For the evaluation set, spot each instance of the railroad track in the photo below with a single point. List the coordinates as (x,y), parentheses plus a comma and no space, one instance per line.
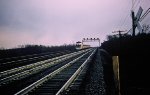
(58,81)
(24,71)
(29,56)
(28,74)
(9,63)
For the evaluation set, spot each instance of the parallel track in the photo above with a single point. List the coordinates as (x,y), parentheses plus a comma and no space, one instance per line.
(28,74)
(24,71)
(59,80)
(9,63)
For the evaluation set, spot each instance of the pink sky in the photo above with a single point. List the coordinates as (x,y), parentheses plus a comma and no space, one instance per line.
(58,22)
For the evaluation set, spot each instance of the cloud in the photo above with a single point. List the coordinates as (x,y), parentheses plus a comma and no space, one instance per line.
(14,38)
(55,22)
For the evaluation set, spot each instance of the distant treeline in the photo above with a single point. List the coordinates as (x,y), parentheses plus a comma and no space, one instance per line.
(33,49)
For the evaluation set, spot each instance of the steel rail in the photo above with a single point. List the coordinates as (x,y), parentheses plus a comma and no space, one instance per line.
(31,55)
(72,78)
(23,60)
(25,56)
(47,77)
(14,70)
(27,59)
(31,71)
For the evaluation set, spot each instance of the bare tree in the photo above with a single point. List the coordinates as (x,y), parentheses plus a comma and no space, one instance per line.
(146,28)
(109,37)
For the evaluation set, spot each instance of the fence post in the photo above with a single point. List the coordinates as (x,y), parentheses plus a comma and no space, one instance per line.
(116,72)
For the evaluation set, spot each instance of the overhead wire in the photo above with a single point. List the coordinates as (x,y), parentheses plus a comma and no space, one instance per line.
(145,14)
(124,20)
(133,4)
(136,4)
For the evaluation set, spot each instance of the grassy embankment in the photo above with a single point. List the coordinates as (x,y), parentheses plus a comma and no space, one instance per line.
(134,61)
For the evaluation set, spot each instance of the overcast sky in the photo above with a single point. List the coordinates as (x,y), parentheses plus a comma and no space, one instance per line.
(58,22)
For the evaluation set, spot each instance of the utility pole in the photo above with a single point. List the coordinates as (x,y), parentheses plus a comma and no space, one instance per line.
(135,20)
(120,36)
(133,23)
(118,59)
(119,32)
